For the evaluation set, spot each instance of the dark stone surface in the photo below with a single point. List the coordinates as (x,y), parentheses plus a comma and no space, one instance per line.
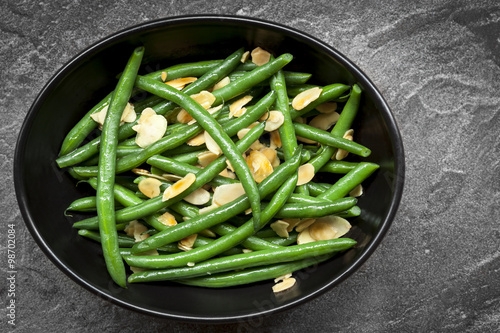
(436,63)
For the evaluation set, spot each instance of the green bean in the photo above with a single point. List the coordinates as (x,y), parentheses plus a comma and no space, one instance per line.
(329,139)
(329,93)
(244,260)
(348,182)
(250,79)
(306,199)
(106,175)
(213,128)
(283,241)
(252,275)
(294,90)
(343,124)
(151,206)
(341,167)
(85,204)
(251,242)
(303,210)
(210,76)
(223,243)
(316,189)
(354,211)
(291,78)
(305,157)
(222,213)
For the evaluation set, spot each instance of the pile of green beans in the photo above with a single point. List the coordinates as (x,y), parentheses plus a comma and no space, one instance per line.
(214,244)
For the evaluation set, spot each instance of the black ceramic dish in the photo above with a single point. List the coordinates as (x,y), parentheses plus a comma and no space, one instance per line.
(44,191)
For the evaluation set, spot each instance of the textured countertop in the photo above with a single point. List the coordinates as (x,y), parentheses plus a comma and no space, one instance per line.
(438,65)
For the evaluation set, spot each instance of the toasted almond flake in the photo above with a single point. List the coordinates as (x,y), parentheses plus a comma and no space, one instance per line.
(150,187)
(179,186)
(208,233)
(322,231)
(327,107)
(128,115)
(226,193)
(308,141)
(228,174)
(264,116)
(222,83)
(212,145)
(171,177)
(247,251)
(238,104)
(137,230)
(204,98)
(244,56)
(167,219)
(150,128)
(274,121)
(306,97)
(272,156)
(303,224)
(197,140)
(341,153)
(356,191)
(210,110)
(324,121)
(184,117)
(281,278)
(280,227)
(143,172)
(284,285)
(304,237)
(180,83)
(189,240)
(291,223)
(206,157)
(164,76)
(259,165)
(275,140)
(198,197)
(305,173)
(190,264)
(260,56)
(207,209)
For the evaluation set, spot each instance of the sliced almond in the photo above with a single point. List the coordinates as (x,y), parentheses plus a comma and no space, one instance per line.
(197,140)
(280,227)
(259,165)
(180,83)
(274,121)
(305,173)
(327,107)
(198,197)
(247,251)
(164,76)
(324,228)
(187,243)
(260,56)
(303,224)
(341,153)
(222,83)
(137,230)
(281,278)
(150,187)
(128,115)
(322,231)
(226,193)
(184,117)
(171,177)
(272,156)
(143,172)
(206,157)
(227,173)
(324,121)
(150,128)
(210,110)
(208,233)
(238,105)
(304,237)
(179,186)
(284,285)
(306,97)
(291,223)
(212,145)
(167,219)
(207,209)
(275,139)
(356,191)
(244,56)
(204,98)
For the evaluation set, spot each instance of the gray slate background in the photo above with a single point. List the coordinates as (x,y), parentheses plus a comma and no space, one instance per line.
(438,65)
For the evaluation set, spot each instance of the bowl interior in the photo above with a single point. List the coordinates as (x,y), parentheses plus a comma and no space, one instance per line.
(44,191)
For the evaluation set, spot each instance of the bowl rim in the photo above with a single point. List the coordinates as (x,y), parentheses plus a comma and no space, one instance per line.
(378,99)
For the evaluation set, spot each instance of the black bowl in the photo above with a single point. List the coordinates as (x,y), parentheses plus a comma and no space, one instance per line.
(44,191)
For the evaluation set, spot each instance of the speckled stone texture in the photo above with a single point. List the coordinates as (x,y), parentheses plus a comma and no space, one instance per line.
(436,63)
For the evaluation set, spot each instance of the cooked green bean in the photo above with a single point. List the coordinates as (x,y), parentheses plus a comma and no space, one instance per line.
(330,92)
(240,261)
(302,210)
(105,201)
(85,204)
